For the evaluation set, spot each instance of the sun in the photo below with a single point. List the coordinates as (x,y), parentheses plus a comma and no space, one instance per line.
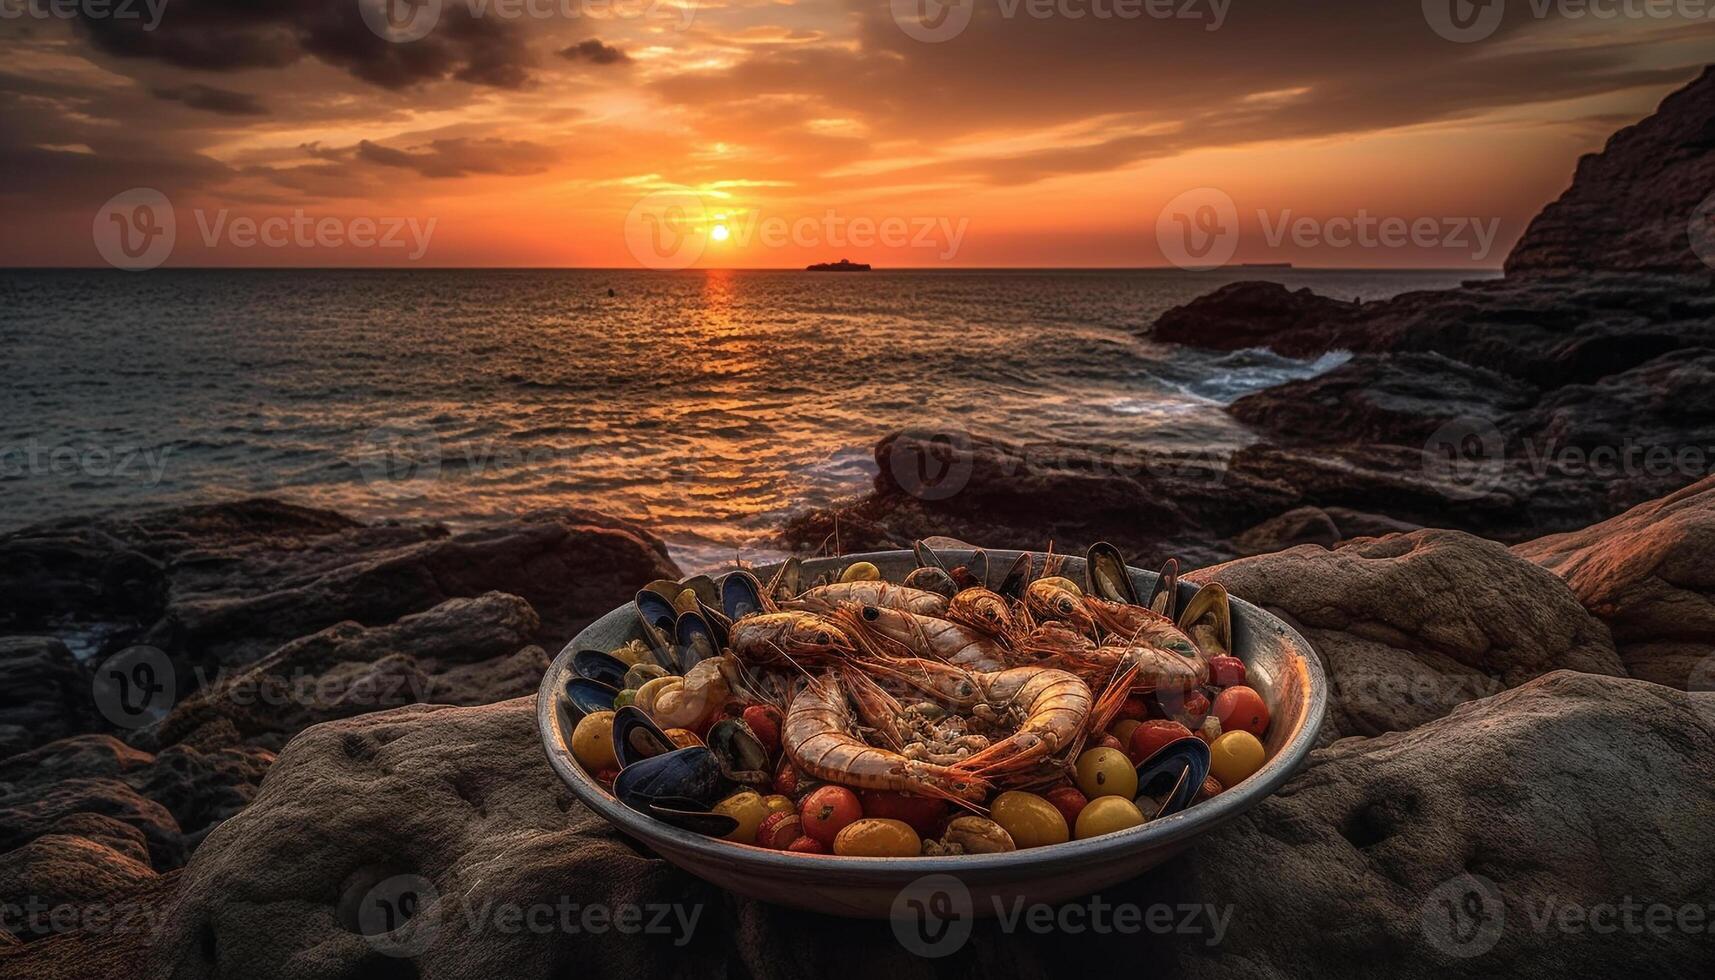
(718,233)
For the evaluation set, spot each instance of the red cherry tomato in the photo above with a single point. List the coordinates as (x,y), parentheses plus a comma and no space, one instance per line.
(1069,801)
(786,779)
(923,813)
(1151,736)
(1107,741)
(1196,707)
(764,722)
(827,811)
(1210,787)
(779,830)
(808,845)
(1226,671)
(1242,709)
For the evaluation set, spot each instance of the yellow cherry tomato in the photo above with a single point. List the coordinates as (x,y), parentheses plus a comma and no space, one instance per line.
(1107,815)
(592,742)
(1031,820)
(777,803)
(1123,730)
(878,837)
(861,571)
(1107,772)
(1234,756)
(749,810)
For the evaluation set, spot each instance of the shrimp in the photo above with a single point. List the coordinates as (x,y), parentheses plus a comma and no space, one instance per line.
(892,633)
(987,612)
(827,598)
(1048,602)
(817,738)
(784,638)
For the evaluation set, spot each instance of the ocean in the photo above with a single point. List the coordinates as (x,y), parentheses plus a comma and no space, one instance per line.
(706,405)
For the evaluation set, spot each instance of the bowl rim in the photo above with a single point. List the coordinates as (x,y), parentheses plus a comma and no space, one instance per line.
(1160,833)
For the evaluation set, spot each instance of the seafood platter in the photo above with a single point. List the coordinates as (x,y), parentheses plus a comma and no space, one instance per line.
(823,733)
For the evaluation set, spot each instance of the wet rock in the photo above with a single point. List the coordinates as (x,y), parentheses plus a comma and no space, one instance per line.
(1535,790)
(1647,575)
(44,692)
(1409,626)
(47,880)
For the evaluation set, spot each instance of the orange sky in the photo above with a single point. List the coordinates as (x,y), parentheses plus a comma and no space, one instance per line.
(641,133)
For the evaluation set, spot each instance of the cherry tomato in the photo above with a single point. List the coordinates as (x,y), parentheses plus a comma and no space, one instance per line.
(1122,731)
(1151,736)
(878,837)
(748,809)
(764,722)
(829,810)
(592,742)
(1135,708)
(1107,741)
(779,803)
(1242,709)
(1106,772)
(923,813)
(807,845)
(1226,671)
(786,779)
(1031,820)
(1069,801)
(1107,815)
(778,830)
(1210,787)
(1234,756)
(1196,708)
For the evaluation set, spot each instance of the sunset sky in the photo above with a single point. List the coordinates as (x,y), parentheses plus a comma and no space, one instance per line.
(568,132)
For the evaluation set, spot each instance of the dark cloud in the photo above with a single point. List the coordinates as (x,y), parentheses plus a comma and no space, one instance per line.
(223,101)
(229,35)
(594,52)
(458,157)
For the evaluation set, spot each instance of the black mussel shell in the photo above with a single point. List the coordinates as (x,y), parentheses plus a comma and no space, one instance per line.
(926,557)
(694,641)
(636,736)
(1164,598)
(976,570)
(683,779)
(1178,770)
(1017,577)
(787,581)
(585,696)
(704,822)
(931,579)
(742,756)
(658,617)
(741,595)
(708,593)
(599,666)
(1105,575)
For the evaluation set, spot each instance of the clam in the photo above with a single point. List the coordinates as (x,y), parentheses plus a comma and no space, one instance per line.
(1164,598)
(1106,575)
(678,788)
(602,667)
(742,757)
(636,737)
(1173,774)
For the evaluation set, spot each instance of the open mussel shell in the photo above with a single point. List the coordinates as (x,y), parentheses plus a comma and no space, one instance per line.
(1105,575)
(787,582)
(741,595)
(1017,577)
(1164,598)
(932,579)
(1177,770)
(694,641)
(659,619)
(599,666)
(677,787)
(636,736)
(585,696)
(742,756)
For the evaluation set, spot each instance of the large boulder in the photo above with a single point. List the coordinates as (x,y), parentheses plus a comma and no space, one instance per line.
(57,872)
(1462,848)
(1648,576)
(1410,626)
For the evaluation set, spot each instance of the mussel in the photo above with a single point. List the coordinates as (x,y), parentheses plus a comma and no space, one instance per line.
(1164,598)
(741,596)
(636,737)
(694,641)
(742,757)
(659,618)
(1208,620)
(585,696)
(1106,575)
(602,667)
(1021,573)
(678,788)
(1174,774)
(787,581)
(931,575)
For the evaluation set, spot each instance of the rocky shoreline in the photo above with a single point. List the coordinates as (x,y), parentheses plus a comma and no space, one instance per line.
(1521,653)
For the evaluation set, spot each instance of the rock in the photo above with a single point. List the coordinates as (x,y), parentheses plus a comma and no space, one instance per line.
(232,581)
(44,693)
(1629,206)
(348,669)
(1294,322)
(1647,575)
(1409,626)
(112,834)
(1538,790)
(56,875)
(1400,399)
(201,789)
(30,813)
(120,933)
(1315,525)
(78,757)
